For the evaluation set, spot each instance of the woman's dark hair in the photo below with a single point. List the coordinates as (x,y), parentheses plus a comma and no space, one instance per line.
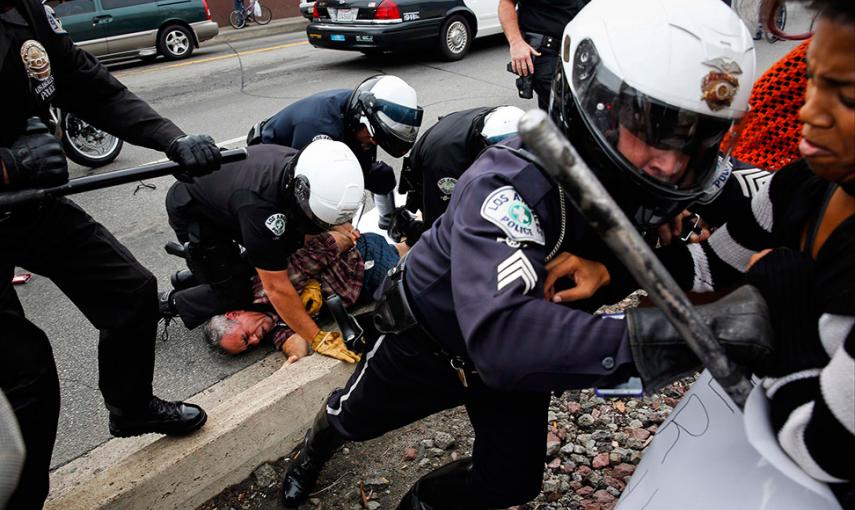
(842,11)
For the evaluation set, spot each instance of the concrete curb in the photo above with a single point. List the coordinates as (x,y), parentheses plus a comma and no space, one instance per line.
(263,422)
(280,26)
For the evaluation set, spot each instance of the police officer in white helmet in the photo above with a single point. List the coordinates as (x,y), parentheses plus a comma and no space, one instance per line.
(266,204)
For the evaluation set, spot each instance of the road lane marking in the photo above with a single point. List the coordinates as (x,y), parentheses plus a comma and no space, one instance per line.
(213,59)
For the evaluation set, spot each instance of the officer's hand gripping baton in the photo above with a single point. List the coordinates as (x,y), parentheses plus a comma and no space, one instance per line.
(11,199)
(561,160)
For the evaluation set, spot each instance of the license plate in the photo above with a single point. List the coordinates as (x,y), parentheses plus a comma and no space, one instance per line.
(343,15)
(337,37)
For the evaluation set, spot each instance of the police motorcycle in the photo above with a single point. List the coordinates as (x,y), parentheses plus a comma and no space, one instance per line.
(83,143)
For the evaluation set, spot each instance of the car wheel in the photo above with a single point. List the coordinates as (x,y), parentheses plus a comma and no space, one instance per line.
(176,42)
(455,38)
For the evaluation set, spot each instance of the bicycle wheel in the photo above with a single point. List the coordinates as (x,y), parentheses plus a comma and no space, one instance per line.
(266,16)
(237,20)
(780,23)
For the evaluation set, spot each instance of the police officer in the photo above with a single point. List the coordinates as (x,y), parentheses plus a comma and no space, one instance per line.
(465,317)
(441,155)
(382,110)
(41,66)
(533,29)
(266,203)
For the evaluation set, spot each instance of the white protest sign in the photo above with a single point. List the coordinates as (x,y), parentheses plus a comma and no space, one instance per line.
(701,459)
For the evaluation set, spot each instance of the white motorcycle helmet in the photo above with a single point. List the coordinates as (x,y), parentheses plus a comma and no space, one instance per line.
(388,107)
(646,90)
(328,186)
(501,123)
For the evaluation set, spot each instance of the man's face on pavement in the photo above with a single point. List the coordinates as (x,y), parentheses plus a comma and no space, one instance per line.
(662,164)
(248,330)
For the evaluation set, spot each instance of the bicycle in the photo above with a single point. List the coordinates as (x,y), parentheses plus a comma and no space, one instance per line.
(239,18)
(749,11)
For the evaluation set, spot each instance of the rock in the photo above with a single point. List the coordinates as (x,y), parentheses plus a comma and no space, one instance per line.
(586,420)
(427,443)
(410,454)
(615,457)
(555,463)
(265,475)
(641,434)
(600,461)
(601,435)
(551,485)
(636,424)
(345,451)
(613,491)
(567,449)
(436,452)
(315,501)
(580,459)
(584,471)
(425,462)
(444,440)
(454,456)
(597,480)
(553,444)
(373,505)
(591,505)
(619,406)
(624,469)
(583,438)
(614,482)
(603,496)
(585,491)
(574,407)
(376,484)
(568,468)
(574,485)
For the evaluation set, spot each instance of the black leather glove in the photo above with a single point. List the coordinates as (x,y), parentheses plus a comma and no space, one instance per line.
(198,155)
(404,225)
(380,178)
(785,278)
(35,159)
(740,322)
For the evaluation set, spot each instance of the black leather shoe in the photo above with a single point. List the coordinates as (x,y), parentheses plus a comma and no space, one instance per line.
(445,488)
(159,416)
(166,304)
(321,441)
(183,279)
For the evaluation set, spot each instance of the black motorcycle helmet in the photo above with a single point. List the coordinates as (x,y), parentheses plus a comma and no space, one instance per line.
(387,106)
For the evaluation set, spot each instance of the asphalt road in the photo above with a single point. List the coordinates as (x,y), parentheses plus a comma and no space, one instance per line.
(222,91)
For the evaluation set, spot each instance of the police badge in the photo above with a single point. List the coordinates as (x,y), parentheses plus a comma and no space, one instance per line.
(37,64)
(276,224)
(718,88)
(446,186)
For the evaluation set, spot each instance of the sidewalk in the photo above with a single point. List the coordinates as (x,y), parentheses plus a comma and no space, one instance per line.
(253,30)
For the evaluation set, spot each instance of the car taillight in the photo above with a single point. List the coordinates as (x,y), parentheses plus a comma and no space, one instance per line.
(315,13)
(207,9)
(387,9)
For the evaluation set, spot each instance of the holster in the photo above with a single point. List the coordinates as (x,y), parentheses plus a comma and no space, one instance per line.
(393,314)
(254,135)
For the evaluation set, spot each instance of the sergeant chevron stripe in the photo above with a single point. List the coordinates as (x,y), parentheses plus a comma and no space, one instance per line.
(517,266)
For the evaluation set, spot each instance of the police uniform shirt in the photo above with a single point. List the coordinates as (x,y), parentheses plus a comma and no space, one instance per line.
(319,116)
(247,200)
(547,17)
(443,153)
(475,280)
(40,66)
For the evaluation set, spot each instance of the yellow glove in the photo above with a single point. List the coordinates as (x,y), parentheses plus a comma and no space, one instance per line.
(330,344)
(311,297)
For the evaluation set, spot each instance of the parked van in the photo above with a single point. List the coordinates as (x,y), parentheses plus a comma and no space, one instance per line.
(122,29)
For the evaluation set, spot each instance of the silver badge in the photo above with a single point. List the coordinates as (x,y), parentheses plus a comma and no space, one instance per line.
(276,224)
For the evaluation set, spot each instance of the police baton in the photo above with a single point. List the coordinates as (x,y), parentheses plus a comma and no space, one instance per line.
(563,163)
(11,199)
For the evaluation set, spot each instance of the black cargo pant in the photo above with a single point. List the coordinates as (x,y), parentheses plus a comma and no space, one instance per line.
(117,295)
(401,380)
(213,257)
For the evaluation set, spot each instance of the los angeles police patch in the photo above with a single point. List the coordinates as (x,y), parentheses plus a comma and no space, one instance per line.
(446,186)
(53,21)
(506,209)
(276,224)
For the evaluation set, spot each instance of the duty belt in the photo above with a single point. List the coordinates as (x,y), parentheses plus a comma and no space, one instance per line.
(541,41)
(394,315)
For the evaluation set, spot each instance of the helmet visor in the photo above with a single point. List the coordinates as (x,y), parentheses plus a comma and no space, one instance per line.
(673,148)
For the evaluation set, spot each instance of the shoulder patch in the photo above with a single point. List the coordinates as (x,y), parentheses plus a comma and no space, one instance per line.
(751,180)
(506,209)
(55,23)
(321,137)
(446,186)
(276,223)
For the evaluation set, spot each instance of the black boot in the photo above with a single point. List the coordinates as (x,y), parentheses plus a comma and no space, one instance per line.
(318,446)
(446,488)
(159,416)
(166,304)
(183,279)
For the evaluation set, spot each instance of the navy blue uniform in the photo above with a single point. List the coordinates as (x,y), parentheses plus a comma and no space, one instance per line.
(322,115)
(475,281)
(440,156)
